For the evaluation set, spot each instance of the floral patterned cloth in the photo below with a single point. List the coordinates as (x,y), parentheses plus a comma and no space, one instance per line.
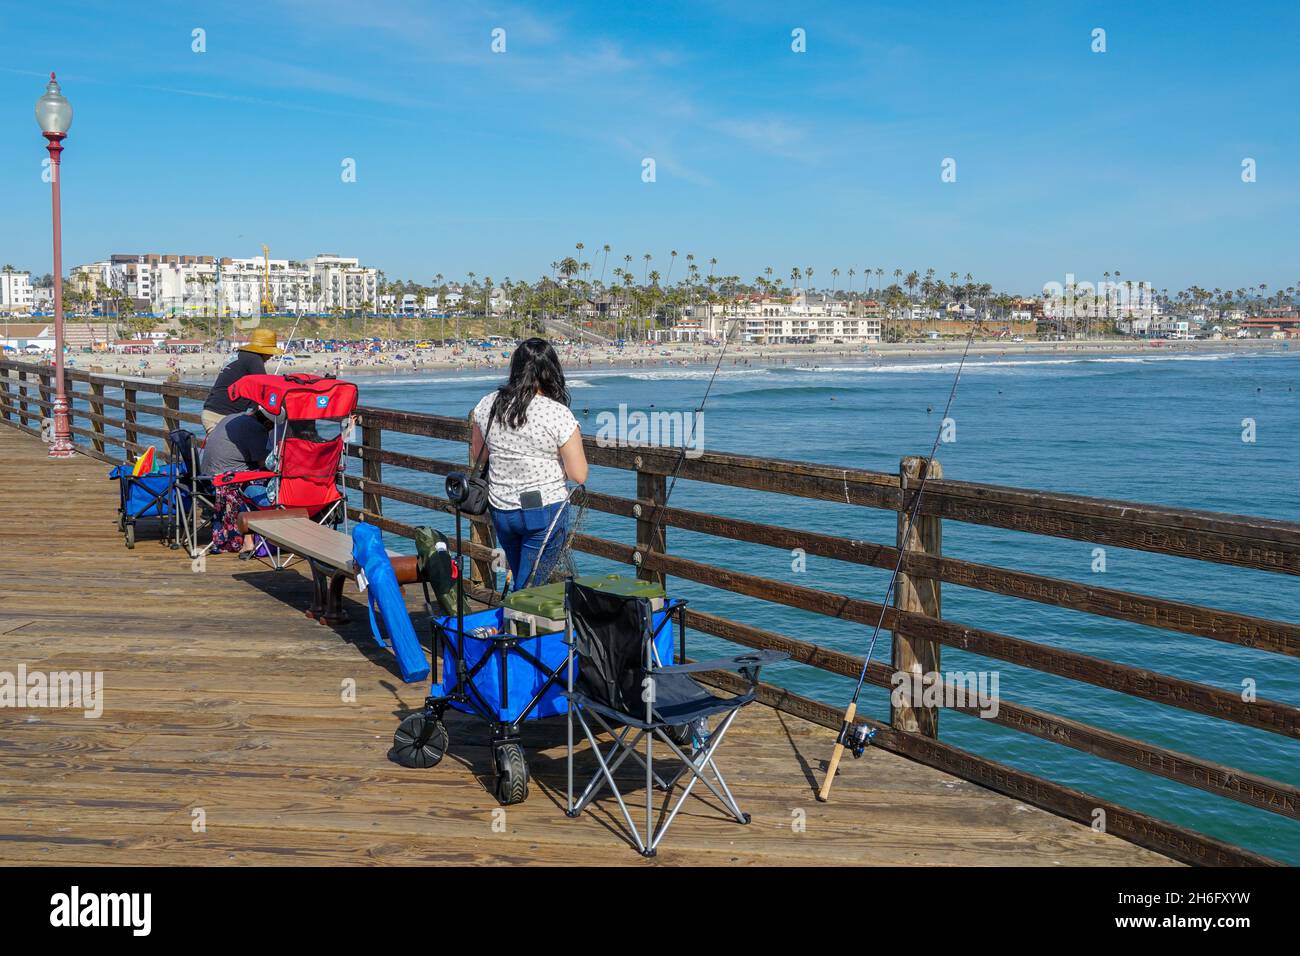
(225,519)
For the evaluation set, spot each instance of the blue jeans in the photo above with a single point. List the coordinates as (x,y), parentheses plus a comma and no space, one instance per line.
(520,534)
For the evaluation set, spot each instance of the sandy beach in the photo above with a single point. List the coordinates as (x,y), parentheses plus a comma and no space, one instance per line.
(197,366)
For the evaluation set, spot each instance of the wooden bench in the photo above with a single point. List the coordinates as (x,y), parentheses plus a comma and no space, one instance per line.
(327,552)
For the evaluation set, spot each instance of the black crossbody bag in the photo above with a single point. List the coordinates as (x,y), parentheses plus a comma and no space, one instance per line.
(468,493)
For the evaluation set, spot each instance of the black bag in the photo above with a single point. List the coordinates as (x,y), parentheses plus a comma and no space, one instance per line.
(468,493)
(437,573)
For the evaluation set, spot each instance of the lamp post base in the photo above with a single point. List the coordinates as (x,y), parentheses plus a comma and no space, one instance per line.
(61,446)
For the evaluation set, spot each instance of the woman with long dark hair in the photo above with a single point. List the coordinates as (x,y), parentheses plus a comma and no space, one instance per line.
(533,445)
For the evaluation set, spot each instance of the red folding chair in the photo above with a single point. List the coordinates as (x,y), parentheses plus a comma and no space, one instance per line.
(308,465)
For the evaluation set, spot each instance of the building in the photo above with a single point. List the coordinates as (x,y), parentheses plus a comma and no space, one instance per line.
(24,336)
(800,320)
(337,282)
(809,320)
(1268,322)
(15,293)
(175,285)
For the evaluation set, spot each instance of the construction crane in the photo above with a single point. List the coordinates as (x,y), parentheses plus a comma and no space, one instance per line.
(268,307)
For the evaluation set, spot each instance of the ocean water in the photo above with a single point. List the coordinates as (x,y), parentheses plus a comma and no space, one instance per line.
(1164,429)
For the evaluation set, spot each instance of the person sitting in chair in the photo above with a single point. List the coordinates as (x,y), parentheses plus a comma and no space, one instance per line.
(239,442)
(250,359)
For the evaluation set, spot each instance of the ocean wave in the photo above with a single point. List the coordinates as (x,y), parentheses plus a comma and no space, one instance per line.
(793,390)
(1148,359)
(914,367)
(433,378)
(682,374)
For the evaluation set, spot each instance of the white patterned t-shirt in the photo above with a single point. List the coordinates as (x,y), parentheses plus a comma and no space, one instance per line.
(526,458)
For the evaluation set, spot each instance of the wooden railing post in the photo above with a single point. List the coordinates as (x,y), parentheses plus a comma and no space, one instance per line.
(129,416)
(912,655)
(6,395)
(651,487)
(372,469)
(45,391)
(24,410)
(481,533)
(172,404)
(97,424)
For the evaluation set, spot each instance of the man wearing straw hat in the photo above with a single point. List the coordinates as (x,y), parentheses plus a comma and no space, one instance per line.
(249,360)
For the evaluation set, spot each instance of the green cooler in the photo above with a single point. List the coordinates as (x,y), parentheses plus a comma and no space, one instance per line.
(540,610)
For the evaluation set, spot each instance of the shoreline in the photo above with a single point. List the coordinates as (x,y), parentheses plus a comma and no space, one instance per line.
(203,366)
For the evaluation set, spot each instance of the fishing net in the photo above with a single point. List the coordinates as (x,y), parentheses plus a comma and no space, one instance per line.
(563,564)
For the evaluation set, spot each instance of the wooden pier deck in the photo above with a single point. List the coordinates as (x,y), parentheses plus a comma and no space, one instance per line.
(221,697)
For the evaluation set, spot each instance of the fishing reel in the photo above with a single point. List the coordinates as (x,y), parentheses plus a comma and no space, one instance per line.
(856,738)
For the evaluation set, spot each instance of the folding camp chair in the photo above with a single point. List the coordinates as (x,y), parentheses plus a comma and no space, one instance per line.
(195,498)
(616,681)
(310,463)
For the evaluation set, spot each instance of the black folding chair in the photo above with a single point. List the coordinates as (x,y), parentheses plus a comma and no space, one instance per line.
(616,682)
(195,497)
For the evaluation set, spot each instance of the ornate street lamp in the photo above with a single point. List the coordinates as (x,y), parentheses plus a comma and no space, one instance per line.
(54,114)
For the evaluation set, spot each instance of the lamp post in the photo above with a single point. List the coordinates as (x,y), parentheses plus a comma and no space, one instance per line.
(54,114)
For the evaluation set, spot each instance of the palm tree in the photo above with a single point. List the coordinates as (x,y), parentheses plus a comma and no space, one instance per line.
(652,291)
(913,279)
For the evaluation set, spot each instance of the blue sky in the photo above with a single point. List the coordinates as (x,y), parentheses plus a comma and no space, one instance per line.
(1068,161)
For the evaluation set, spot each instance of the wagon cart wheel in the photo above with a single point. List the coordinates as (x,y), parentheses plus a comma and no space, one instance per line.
(512,774)
(121,522)
(420,741)
(130,535)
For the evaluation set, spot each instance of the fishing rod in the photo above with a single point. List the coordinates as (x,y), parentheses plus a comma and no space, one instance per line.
(853,737)
(546,540)
(672,483)
(287,342)
(662,508)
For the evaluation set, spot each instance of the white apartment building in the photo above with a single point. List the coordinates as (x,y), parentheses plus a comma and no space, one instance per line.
(197,285)
(341,282)
(15,293)
(819,321)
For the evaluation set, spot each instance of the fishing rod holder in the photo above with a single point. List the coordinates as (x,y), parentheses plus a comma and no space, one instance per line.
(856,738)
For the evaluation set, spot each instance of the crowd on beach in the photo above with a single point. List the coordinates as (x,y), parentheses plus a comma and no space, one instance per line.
(391,356)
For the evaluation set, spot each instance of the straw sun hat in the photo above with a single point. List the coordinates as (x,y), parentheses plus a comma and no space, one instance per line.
(262,341)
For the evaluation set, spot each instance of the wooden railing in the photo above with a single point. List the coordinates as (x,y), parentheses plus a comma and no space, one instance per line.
(917,630)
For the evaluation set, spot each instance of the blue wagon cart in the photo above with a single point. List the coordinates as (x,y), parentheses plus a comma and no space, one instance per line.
(156,496)
(497,667)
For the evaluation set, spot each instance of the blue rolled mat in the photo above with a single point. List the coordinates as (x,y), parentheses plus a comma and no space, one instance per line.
(385,595)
